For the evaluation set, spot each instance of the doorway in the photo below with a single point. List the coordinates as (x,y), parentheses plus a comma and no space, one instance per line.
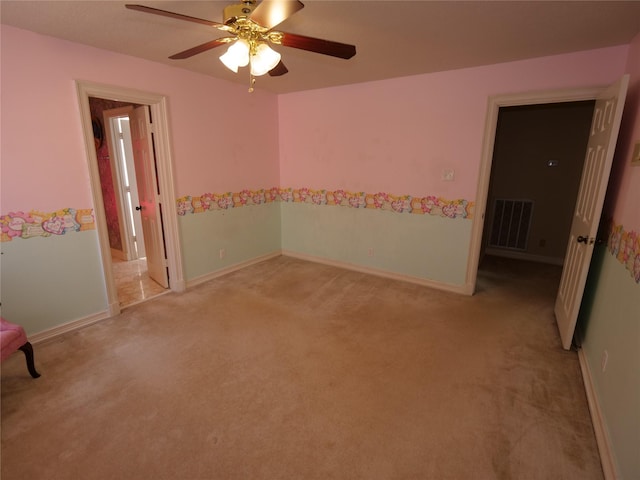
(163,199)
(603,133)
(119,186)
(535,176)
(484,177)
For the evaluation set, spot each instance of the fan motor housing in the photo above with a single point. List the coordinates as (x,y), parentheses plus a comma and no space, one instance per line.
(238,10)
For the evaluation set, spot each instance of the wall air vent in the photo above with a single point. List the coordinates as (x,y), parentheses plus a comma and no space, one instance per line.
(511,222)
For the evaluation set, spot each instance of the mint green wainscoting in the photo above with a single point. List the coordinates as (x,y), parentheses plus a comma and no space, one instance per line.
(243,234)
(611,320)
(49,281)
(424,247)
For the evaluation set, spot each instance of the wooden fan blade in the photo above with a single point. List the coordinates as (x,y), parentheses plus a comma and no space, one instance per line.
(201,48)
(317,45)
(270,13)
(278,70)
(179,16)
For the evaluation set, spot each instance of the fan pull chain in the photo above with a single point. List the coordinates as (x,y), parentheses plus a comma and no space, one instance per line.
(252,82)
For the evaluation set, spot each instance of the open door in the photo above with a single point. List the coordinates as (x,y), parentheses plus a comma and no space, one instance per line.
(118,134)
(148,194)
(593,187)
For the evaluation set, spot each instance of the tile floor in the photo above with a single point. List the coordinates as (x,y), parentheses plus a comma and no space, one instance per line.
(133,282)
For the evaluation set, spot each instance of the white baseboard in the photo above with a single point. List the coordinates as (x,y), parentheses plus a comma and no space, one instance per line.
(179,286)
(497,252)
(461,289)
(83,322)
(232,268)
(68,327)
(600,429)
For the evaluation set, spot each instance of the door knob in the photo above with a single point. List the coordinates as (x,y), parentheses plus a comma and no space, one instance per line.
(584,240)
(139,207)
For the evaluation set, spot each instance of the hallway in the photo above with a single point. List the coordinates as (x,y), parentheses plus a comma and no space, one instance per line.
(133,282)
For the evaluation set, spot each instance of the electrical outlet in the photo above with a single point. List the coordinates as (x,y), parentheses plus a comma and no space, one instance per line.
(605,359)
(370,252)
(222,253)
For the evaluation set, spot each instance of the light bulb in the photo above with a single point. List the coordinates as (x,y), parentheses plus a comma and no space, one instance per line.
(237,55)
(264,60)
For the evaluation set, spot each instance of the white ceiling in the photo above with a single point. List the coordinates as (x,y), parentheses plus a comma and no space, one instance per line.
(393,38)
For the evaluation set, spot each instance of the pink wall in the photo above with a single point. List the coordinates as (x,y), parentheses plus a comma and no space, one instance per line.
(625,191)
(44,164)
(393,136)
(398,135)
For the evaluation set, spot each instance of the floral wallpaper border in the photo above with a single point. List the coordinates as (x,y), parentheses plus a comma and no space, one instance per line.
(625,247)
(39,224)
(430,205)
(622,244)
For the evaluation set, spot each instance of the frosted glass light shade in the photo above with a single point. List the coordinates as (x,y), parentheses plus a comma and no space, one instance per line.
(237,55)
(264,60)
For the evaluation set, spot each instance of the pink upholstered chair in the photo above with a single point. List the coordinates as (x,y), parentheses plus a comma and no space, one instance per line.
(12,338)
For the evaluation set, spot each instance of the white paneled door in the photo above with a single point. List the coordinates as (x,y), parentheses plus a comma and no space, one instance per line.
(593,186)
(148,194)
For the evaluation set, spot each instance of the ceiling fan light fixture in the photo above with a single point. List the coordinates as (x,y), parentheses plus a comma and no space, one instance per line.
(237,55)
(264,60)
(250,28)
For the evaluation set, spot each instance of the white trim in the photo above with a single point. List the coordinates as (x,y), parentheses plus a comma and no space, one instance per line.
(334,263)
(497,252)
(159,112)
(379,273)
(68,327)
(599,427)
(98,201)
(484,176)
(231,268)
(137,302)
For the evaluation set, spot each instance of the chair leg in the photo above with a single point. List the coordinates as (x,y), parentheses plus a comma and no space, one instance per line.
(28,353)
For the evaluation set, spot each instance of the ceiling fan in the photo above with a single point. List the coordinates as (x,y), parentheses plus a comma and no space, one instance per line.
(250,27)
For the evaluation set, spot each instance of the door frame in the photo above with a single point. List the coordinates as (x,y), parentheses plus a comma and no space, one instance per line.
(159,111)
(495,102)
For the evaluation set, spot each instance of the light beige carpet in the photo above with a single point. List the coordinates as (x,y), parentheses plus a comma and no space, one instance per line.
(295,370)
